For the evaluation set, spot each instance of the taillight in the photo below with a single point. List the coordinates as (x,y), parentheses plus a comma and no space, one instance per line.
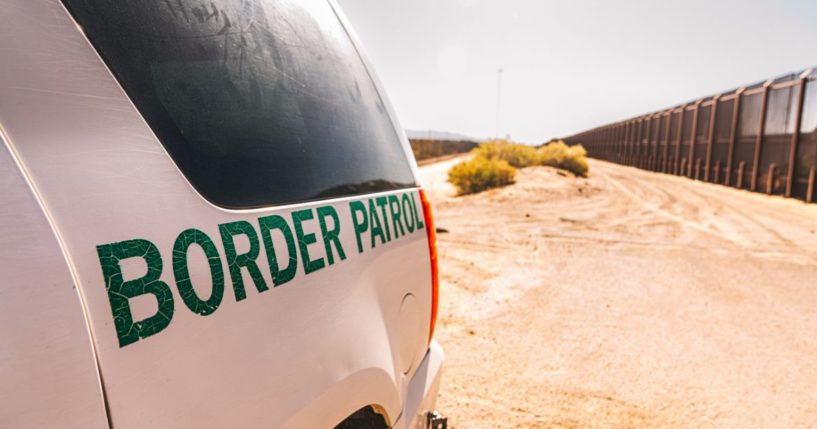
(432,251)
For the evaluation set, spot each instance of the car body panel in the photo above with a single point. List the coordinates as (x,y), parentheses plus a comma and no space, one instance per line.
(421,396)
(47,367)
(105,179)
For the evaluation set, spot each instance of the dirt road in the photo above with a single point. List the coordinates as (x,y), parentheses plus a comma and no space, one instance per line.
(625,300)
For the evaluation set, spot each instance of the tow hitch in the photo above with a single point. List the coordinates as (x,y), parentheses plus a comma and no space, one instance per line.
(435,420)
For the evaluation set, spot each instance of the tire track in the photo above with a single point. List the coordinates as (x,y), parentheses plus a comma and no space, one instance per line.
(628,299)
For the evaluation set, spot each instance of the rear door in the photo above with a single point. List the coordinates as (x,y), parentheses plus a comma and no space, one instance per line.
(238,209)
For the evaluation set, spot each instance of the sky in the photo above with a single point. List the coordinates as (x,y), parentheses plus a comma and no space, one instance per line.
(571,65)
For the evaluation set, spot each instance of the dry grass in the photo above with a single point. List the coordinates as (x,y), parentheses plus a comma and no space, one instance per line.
(495,162)
(560,155)
(480,173)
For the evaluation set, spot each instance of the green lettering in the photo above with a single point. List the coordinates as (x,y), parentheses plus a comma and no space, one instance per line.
(407,210)
(381,202)
(394,205)
(182,273)
(417,217)
(374,220)
(247,260)
(304,240)
(266,225)
(330,235)
(121,290)
(361,224)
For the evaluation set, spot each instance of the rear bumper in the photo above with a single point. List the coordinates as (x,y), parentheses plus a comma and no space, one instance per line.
(421,396)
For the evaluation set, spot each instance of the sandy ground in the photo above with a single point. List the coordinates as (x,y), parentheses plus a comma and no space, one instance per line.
(625,300)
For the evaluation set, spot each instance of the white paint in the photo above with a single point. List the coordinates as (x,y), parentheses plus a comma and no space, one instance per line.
(47,368)
(305,354)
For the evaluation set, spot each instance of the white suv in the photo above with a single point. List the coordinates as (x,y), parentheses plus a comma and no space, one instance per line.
(209,218)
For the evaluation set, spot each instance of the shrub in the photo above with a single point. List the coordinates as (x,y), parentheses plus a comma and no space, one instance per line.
(481,173)
(425,149)
(494,161)
(560,155)
(517,155)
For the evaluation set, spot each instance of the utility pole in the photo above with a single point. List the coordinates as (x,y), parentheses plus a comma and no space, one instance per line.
(498,101)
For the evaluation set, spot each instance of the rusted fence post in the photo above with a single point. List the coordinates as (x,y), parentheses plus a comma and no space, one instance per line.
(770,178)
(811,177)
(697,169)
(693,136)
(717,172)
(645,156)
(730,154)
(739,181)
(630,130)
(680,141)
(713,116)
(633,138)
(667,140)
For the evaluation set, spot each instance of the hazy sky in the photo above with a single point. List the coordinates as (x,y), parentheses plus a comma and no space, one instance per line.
(571,65)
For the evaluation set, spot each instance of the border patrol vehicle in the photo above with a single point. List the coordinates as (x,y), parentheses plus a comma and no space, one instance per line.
(210,219)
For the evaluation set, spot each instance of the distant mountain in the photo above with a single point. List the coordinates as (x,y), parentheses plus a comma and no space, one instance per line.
(438,135)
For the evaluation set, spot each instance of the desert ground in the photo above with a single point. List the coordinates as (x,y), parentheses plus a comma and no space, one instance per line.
(627,299)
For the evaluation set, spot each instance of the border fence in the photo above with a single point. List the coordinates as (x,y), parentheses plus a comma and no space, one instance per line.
(760,137)
(425,149)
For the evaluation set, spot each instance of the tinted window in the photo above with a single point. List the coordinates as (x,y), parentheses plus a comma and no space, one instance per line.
(258,102)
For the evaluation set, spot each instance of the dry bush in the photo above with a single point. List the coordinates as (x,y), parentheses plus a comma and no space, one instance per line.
(481,173)
(426,149)
(517,155)
(494,163)
(560,155)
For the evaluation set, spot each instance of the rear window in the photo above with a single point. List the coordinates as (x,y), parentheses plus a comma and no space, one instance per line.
(258,102)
